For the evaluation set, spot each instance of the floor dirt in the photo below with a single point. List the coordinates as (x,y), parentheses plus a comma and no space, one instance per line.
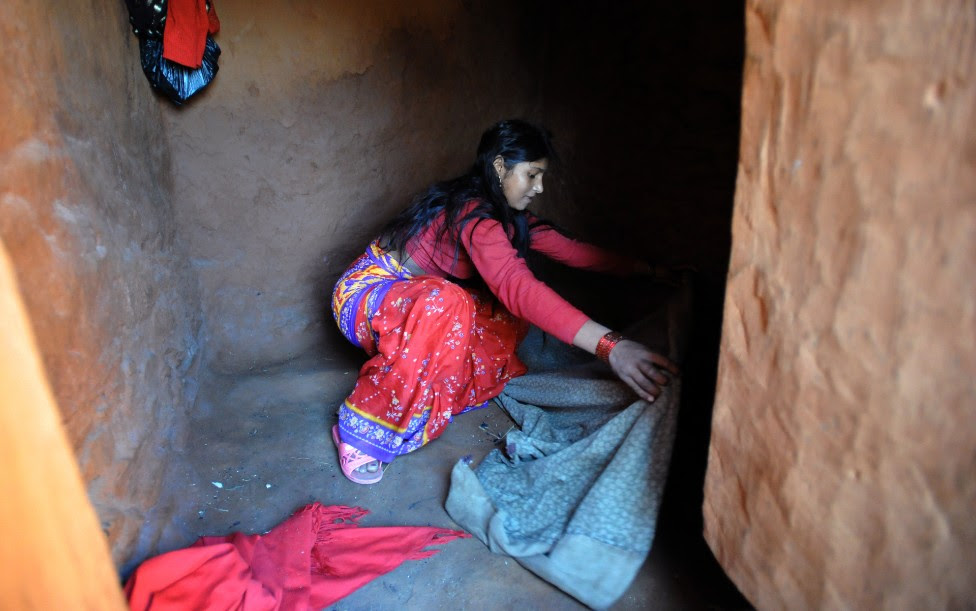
(261,449)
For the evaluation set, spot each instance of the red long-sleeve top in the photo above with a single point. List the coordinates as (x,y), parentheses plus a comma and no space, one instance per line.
(487,249)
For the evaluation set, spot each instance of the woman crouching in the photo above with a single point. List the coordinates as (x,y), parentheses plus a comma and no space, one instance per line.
(442,298)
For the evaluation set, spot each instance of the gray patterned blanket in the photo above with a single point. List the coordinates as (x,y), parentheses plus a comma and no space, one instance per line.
(575,495)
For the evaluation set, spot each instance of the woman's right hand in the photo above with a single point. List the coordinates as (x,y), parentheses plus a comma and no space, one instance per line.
(644,371)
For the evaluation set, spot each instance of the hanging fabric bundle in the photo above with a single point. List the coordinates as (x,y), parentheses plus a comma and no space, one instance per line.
(176,45)
(189,23)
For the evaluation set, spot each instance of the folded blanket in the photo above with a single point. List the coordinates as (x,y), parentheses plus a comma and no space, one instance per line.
(309,561)
(575,496)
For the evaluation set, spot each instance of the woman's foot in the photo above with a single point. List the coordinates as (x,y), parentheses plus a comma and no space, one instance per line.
(370,467)
(356,466)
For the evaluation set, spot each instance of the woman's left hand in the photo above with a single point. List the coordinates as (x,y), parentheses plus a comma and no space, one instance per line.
(644,371)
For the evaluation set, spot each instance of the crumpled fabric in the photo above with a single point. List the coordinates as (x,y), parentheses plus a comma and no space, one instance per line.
(316,557)
(176,82)
(188,23)
(176,47)
(575,495)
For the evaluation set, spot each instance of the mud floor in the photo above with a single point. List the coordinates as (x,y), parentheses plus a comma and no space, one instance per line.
(261,449)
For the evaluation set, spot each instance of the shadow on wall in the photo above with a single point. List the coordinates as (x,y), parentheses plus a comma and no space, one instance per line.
(329,266)
(645,102)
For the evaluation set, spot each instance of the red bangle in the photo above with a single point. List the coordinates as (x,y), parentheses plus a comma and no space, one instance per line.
(606,344)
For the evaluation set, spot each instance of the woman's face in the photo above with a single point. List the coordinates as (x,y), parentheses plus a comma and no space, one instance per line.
(521,182)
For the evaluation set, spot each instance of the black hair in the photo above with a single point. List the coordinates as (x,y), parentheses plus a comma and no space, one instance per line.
(515,141)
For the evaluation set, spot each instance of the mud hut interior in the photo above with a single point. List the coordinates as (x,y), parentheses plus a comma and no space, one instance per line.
(170,365)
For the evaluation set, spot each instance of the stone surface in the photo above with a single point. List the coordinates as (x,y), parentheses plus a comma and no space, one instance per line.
(86,216)
(844,433)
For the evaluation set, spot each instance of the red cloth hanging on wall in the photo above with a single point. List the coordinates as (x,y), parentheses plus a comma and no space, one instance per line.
(185,34)
(314,558)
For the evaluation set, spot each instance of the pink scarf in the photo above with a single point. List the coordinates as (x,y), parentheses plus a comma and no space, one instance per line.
(311,560)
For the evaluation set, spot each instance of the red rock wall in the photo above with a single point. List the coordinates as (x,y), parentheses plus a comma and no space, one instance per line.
(844,434)
(86,217)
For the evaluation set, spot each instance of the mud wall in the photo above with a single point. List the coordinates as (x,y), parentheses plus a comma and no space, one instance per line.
(324,119)
(54,554)
(87,221)
(844,437)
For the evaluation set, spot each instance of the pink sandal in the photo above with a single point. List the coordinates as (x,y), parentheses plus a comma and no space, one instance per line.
(351,459)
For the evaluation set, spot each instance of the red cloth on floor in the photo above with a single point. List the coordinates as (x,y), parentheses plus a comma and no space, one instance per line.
(186,29)
(311,560)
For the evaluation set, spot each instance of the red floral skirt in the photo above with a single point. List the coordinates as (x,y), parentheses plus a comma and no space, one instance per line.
(436,350)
